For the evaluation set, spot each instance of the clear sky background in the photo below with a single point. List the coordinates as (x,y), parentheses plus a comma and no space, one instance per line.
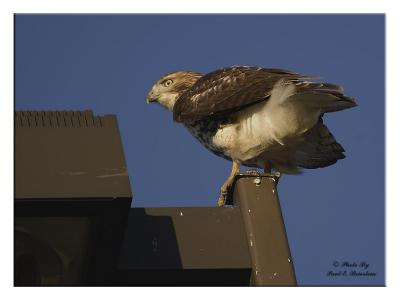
(108,63)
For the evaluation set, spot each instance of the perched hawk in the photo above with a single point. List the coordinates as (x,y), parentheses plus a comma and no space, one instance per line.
(258,117)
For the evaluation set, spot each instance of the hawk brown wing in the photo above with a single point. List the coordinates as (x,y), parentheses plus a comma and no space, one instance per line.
(228,90)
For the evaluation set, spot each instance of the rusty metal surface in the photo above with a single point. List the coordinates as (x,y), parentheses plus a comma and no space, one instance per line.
(68,154)
(265,230)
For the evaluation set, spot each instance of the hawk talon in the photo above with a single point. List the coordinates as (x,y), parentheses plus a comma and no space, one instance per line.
(228,183)
(253,172)
(222,199)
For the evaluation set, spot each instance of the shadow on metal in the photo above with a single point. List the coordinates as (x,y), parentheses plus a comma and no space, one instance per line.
(195,246)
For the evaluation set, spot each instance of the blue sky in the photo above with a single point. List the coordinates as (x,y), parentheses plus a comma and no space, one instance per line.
(108,63)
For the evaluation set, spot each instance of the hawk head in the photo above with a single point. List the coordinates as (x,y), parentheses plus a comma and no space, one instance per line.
(171,86)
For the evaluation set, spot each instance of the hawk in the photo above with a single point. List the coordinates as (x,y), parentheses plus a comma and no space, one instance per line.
(257,117)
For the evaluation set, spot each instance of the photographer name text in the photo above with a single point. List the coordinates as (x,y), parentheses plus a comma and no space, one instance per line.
(350,268)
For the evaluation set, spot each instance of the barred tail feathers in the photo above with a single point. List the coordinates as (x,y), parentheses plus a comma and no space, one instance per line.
(319,149)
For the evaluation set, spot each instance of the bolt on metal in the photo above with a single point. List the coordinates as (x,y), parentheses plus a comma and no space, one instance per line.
(257,181)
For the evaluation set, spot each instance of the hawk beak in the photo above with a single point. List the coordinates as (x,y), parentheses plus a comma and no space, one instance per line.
(150,97)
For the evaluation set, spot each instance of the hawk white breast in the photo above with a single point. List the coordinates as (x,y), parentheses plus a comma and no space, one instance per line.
(258,117)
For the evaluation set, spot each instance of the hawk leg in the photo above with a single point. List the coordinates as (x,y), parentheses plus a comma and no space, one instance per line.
(228,183)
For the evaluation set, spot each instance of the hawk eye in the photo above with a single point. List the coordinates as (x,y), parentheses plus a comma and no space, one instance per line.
(168,82)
